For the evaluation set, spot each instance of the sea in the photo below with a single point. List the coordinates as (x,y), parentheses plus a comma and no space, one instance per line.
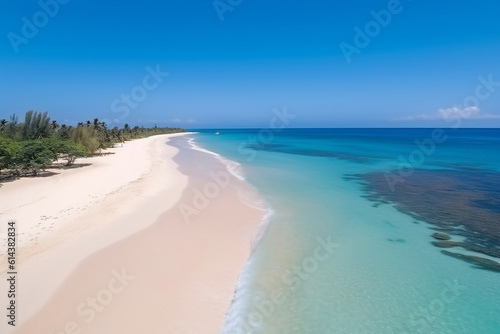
(368,230)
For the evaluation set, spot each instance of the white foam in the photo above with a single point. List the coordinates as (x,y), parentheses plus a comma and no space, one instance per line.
(194,146)
(264,224)
(237,316)
(232,167)
(235,320)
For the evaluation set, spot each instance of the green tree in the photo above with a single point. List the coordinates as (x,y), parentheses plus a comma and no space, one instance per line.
(66,149)
(71,150)
(9,152)
(35,156)
(64,132)
(36,126)
(104,135)
(12,128)
(116,135)
(3,124)
(54,126)
(97,126)
(86,137)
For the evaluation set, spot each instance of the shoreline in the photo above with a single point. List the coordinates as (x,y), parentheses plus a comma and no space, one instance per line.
(194,266)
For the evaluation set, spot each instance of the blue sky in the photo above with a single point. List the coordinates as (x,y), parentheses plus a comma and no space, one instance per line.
(231,62)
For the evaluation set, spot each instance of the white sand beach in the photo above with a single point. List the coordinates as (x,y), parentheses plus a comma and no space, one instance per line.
(104,248)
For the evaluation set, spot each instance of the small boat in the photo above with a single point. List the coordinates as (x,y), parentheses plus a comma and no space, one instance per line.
(217,133)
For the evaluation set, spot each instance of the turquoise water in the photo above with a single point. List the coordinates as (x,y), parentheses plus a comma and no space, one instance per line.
(332,259)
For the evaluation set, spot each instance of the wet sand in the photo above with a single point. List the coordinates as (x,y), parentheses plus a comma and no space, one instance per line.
(176,274)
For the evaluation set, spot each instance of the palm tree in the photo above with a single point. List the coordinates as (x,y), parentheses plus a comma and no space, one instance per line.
(64,132)
(54,125)
(136,130)
(11,127)
(3,123)
(97,126)
(115,133)
(36,125)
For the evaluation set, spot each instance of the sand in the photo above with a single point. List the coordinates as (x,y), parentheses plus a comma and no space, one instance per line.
(106,248)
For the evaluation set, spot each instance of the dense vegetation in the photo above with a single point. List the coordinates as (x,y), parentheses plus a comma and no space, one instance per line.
(33,145)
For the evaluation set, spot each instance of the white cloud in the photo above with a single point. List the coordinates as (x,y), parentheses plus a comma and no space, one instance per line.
(456,112)
(452,113)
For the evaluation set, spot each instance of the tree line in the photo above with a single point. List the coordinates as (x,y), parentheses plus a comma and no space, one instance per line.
(33,145)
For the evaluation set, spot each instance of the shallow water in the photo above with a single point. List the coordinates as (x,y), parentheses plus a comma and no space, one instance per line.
(339,255)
